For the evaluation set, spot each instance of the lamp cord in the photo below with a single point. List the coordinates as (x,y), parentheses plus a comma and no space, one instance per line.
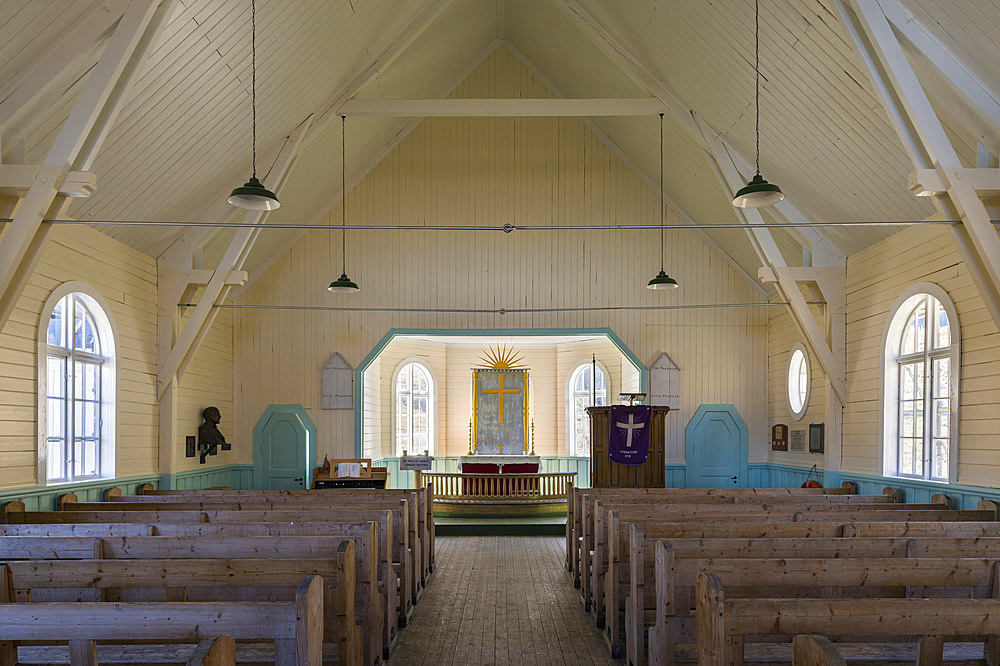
(343,192)
(661,193)
(253,81)
(756,68)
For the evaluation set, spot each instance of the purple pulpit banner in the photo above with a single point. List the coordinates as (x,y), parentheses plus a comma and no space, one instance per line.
(630,428)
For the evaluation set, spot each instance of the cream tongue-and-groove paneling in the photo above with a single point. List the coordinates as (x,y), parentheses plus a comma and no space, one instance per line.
(875,279)
(126,279)
(491,171)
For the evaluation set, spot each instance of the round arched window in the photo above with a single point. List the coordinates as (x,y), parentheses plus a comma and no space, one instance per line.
(798,381)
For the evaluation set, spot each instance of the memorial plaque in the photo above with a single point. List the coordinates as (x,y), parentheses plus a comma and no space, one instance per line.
(664,383)
(338,384)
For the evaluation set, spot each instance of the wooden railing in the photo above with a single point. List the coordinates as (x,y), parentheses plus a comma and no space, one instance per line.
(498,486)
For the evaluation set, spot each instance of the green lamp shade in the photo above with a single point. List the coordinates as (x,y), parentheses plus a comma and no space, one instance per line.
(254,196)
(662,281)
(757,194)
(343,285)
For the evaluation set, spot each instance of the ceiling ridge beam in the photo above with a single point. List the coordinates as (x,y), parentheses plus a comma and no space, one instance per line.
(504,107)
(677,108)
(631,164)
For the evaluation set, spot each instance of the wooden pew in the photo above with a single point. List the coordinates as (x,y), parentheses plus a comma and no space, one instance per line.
(619,569)
(724,624)
(425,500)
(295,627)
(207,580)
(369,610)
(813,650)
(217,651)
(574,527)
(408,548)
(594,565)
(663,605)
(401,556)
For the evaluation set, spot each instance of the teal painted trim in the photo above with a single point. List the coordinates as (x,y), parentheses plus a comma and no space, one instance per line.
(919,492)
(675,475)
(43,498)
(258,441)
(393,332)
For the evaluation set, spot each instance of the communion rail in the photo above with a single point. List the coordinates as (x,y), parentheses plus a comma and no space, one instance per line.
(458,486)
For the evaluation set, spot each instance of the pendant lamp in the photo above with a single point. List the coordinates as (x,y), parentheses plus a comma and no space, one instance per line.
(758,192)
(253,195)
(662,280)
(343,284)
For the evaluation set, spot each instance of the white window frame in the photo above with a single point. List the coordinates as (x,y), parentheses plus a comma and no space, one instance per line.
(798,415)
(431,412)
(888,444)
(108,334)
(570,401)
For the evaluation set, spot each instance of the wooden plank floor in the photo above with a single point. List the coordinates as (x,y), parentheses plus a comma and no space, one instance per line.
(500,600)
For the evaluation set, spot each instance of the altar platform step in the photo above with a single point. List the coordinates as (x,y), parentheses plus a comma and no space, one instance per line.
(510,526)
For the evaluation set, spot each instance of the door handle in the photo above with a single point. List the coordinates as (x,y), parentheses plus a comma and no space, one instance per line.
(303,479)
(735,479)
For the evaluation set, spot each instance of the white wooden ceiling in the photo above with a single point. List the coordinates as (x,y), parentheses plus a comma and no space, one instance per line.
(182,140)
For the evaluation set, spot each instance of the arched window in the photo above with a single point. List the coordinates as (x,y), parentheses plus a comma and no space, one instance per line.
(76,388)
(798,381)
(920,387)
(414,409)
(584,392)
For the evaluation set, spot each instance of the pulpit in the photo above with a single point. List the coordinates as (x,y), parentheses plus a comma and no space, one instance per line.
(604,473)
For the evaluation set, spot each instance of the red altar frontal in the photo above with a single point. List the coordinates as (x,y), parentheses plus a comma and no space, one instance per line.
(473,467)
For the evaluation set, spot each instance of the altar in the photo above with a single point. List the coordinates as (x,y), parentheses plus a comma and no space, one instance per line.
(500,464)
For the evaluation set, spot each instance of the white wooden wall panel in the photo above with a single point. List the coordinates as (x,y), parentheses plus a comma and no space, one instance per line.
(782,334)
(127,281)
(207,381)
(492,171)
(875,279)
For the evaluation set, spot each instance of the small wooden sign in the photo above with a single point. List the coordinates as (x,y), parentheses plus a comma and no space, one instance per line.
(422,463)
(337,384)
(779,437)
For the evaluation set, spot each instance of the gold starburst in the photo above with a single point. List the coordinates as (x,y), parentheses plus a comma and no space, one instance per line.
(502,358)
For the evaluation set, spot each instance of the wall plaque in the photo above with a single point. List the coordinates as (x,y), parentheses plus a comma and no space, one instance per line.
(338,384)
(664,383)
(415,462)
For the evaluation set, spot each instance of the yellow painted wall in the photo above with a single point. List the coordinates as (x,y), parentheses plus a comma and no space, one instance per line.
(491,171)
(875,279)
(126,279)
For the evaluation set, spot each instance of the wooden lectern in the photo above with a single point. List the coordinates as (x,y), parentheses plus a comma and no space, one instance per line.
(607,474)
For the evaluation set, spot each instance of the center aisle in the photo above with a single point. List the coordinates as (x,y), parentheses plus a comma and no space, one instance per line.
(500,600)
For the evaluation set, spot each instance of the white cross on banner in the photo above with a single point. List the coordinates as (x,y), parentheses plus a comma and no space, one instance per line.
(629,441)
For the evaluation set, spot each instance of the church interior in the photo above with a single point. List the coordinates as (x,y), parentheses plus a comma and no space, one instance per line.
(473,234)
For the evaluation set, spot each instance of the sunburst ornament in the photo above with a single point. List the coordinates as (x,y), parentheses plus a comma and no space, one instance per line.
(501,358)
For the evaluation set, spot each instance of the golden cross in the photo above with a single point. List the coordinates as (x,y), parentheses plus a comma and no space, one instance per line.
(500,391)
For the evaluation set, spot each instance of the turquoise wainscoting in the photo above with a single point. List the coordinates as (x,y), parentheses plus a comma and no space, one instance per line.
(43,498)
(676,475)
(449,464)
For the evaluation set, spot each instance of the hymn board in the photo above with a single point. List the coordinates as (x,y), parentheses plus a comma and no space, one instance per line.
(500,405)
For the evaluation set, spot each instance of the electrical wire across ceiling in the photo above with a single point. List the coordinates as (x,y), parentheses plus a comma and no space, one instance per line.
(503,311)
(506,228)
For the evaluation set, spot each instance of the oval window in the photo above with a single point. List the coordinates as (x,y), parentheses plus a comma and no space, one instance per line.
(798,381)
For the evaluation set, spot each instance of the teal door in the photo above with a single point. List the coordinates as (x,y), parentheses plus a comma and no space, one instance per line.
(284,448)
(716,446)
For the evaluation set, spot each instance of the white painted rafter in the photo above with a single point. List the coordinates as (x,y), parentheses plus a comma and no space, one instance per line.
(45,69)
(924,138)
(76,144)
